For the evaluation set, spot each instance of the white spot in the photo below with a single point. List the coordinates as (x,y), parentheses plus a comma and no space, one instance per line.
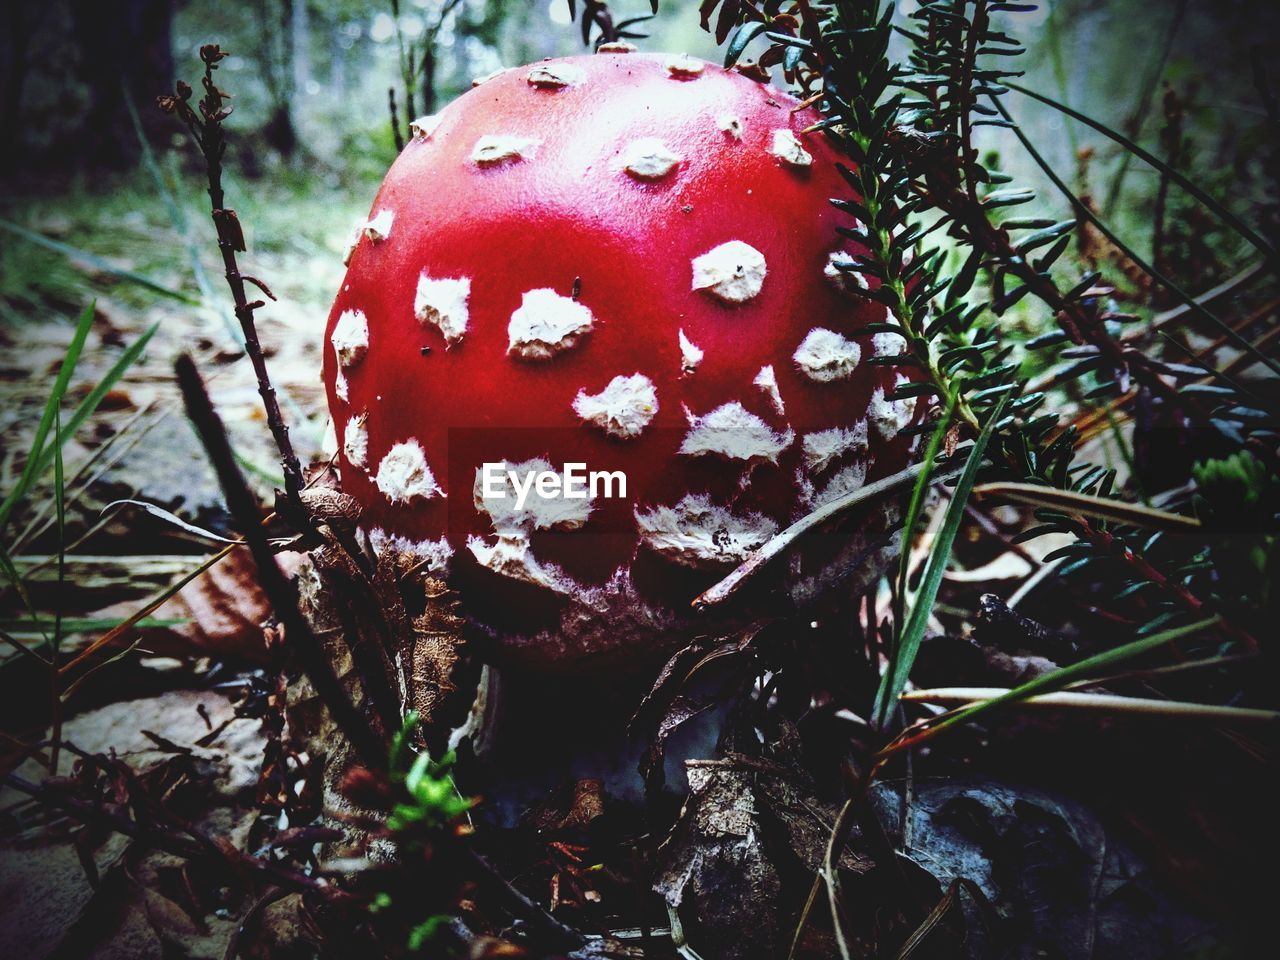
(353,241)
(649,159)
(350,338)
(684,67)
(546,324)
(890,416)
(845,481)
(355,440)
(489,76)
(886,344)
(443,303)
(767,381)
(329,442)
(617,46)
(623,408)
(424,127)
(403,474)
(789,150)
(823,448)
(730,124)
(698,533)
(536,512)
(825,355)
(690,355)
(730,431)
(493,149)
(556,75)
(733,271)
(512,555)
(846,281)
(341,386)
(379,228)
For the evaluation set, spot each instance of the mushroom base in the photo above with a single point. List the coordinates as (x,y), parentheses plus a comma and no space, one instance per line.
(630,625)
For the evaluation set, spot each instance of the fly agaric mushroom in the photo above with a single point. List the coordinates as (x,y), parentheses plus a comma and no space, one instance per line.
(626,262)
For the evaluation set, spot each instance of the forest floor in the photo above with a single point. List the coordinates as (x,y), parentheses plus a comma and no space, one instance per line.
(143,260)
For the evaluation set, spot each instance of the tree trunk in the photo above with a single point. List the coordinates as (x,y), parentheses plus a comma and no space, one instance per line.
(300,28)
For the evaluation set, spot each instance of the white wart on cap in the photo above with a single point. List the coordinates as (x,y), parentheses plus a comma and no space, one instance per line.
(622,409)
(546,324)
(733,271)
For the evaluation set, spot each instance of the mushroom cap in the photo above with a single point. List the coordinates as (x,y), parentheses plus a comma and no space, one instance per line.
(621,261)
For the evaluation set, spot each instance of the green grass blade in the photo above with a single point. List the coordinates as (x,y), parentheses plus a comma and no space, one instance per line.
(917,495)
(85,409)
(72,625)
(31,468)
(100,263)
(60,512)
(1225,215)
(152,604)
(1057,679)
(895,678)
(10,571)
(22,648)
(1084,211)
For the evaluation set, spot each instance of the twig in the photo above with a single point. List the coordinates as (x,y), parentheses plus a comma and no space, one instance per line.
(730,585)
(395,119)
(555,933)
(206,130)
(169,841)
(279,591)
(1110,703)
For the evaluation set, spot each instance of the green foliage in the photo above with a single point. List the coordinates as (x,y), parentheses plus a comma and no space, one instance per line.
(911,633)
(943,243)
(424,823)
(433,801)
(598,26)
(1239,482)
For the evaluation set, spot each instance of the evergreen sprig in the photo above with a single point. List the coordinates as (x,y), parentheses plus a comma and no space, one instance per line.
(914,178)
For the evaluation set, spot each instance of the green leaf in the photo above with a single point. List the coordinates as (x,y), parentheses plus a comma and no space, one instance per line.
(97,262)
(1040,237)
(894,678)
(89,404)
(916,503)
(744,35)
(1060,678)
(32,467)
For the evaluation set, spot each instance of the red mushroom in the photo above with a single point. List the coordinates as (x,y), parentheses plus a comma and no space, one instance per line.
(625,261)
